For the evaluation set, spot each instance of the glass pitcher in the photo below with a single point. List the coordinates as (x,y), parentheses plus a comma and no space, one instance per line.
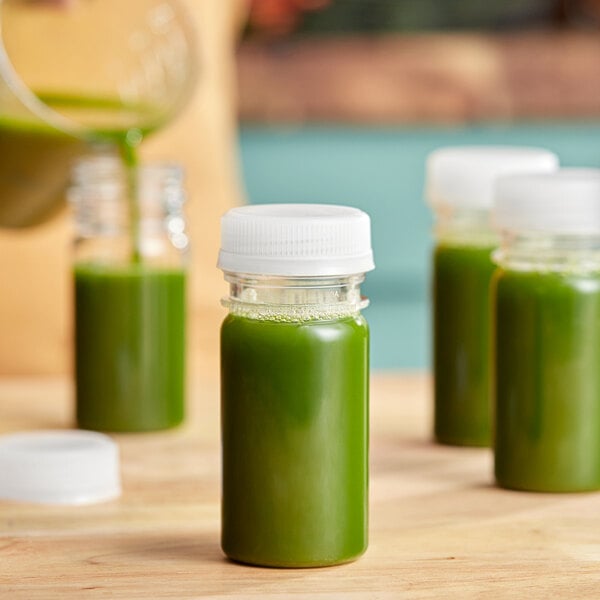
(75,72)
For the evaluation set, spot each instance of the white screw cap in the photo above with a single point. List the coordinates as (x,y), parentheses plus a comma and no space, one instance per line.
(296,240)
(464,176)
(59,467)
(564,202)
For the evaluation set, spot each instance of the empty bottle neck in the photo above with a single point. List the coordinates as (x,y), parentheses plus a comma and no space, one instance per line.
(464,226)
(294,298)
(549,252)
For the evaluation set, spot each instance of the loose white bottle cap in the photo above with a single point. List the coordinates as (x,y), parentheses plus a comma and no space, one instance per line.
(464,176)
(296,240)
(59,467)
(564,202)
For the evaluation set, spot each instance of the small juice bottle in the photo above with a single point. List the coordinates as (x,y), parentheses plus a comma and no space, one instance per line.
(546,298)
(129,304)
(294,385)
(459,189)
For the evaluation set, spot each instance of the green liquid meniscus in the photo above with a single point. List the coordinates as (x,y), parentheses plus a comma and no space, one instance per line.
(130,347)
(295,440)
(547,383)
(461,339)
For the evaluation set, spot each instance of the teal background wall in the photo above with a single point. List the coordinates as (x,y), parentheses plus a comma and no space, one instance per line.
(381,170)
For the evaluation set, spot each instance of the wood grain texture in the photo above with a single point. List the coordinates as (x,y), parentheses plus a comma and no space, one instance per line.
(439,528)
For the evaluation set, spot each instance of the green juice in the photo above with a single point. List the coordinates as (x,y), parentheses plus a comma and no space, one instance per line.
(36,158)
(35,164)
(461,339)
(295,440)
(547,388)
(130,347)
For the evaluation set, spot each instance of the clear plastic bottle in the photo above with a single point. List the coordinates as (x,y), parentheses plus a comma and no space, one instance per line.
(459,189)
(129,316)
(294,385)
(546,298)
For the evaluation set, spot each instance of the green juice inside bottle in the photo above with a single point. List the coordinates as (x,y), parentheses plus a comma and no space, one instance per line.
(129,347)
(547,388)
(295,440)
(461,336)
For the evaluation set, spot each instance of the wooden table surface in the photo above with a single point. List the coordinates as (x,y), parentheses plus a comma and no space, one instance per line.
(439,528)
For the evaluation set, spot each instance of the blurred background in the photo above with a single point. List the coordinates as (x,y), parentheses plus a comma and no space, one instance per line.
(334,101)
(341,101)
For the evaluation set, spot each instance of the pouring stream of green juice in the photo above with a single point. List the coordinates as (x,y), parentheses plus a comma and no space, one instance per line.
(73,77)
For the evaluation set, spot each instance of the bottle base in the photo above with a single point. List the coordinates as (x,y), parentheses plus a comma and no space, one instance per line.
(546,489)
(461,442)
(121,428)
(291,564)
